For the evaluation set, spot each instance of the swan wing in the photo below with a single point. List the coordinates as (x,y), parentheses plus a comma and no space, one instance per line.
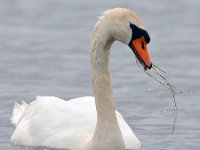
(53,122)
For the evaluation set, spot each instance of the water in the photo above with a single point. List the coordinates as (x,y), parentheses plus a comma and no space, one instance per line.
(44,51)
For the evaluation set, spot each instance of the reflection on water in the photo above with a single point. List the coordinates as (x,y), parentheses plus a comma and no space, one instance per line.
(44,51)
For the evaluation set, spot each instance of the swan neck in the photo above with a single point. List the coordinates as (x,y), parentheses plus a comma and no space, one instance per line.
(102,86)
(107,128)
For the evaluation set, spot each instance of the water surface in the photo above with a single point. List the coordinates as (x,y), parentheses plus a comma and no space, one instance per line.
(44,51)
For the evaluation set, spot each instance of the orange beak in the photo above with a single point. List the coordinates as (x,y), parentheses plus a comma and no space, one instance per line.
(139,47)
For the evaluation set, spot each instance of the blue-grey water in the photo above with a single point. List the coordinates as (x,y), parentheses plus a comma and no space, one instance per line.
(44,51)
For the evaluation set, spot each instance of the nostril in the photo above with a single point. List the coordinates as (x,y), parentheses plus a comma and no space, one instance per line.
(142,45)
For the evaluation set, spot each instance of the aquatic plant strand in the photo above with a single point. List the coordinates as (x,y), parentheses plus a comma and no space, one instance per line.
(173,95)
(163,71)
(165,84)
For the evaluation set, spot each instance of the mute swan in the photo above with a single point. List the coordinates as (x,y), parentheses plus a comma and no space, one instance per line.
(77,123)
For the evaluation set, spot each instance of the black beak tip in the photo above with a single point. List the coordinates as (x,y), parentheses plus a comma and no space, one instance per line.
(146,67)
(150,66)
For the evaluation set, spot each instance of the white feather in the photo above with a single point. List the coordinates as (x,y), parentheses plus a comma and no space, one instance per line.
(18,111)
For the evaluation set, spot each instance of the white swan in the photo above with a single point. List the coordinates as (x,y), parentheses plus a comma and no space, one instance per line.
(77,123)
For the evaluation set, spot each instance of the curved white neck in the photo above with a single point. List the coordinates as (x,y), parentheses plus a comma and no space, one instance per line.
(107,133)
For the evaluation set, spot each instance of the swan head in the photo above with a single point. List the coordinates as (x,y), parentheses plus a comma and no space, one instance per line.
(125,26)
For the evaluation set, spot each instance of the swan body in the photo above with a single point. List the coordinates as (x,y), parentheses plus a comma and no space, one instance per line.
(87,123)
(53,122)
